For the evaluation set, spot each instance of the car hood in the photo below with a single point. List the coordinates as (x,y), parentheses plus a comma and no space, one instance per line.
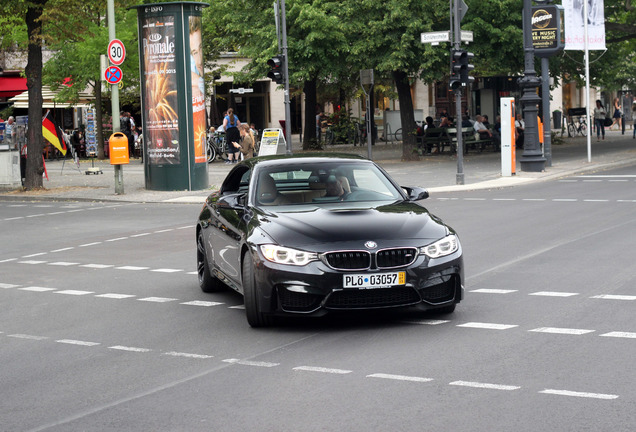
(395,224)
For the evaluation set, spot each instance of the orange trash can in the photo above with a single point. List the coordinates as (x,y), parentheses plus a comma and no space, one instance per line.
(118,149)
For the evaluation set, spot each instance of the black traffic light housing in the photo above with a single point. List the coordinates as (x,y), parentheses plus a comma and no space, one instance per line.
(455,82)
(460,68)
(466,67)
(276,71)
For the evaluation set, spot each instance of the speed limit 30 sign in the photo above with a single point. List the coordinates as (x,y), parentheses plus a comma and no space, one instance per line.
(116,52)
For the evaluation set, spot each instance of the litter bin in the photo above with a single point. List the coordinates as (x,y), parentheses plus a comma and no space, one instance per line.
(118,149)
(556,119)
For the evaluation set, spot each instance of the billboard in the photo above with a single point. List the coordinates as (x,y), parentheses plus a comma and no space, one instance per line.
(575,24)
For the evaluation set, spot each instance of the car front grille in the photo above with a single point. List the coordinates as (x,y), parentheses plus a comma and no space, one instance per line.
(383,297)
(440,292)
(390,258)
(349,260)
(298,302)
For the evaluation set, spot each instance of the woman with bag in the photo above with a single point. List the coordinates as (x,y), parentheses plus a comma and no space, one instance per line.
(232,135)
(599,119)
(617,113)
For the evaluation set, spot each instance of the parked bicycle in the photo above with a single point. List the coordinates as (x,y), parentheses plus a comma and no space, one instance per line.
(577,127)
(216,147)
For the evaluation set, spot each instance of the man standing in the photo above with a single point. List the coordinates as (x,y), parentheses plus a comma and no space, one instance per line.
(9,131)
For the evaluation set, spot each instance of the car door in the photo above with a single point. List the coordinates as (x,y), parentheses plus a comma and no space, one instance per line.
(228,228)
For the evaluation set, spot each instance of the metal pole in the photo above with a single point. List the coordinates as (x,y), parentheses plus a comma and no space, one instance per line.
(459,177)
(286,75)
(545,96)
(532,158)
(114,100)
(587,84)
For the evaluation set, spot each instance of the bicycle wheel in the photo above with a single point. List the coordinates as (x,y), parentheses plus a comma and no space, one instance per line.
(398,134)
(210,152)
(571,130)
(583,129)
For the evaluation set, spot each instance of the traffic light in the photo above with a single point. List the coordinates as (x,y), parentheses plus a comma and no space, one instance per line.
(276,72)
(455,82)
(466,67)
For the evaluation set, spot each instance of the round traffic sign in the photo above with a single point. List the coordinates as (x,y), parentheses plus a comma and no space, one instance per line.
(113,75)
(116,52)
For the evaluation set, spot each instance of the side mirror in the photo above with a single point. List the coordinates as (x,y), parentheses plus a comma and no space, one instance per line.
(416,193)
(231,202)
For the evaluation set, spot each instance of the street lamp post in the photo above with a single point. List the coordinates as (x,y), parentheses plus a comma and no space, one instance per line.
(532,159)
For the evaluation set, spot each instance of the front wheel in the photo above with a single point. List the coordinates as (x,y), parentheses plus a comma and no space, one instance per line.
(571,130)
(211,153)
(255,318)
(584,129)
(207,282)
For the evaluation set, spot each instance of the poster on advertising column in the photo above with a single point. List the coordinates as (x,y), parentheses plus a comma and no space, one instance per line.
(160,105)
(198,89)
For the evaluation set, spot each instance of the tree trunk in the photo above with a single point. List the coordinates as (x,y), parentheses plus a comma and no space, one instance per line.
(33,71)
(310,140)
(407,116)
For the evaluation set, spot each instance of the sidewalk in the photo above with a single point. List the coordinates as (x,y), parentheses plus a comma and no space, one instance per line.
(437,173)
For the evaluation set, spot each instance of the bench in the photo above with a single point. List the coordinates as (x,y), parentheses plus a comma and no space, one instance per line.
(470,139)
(437,137)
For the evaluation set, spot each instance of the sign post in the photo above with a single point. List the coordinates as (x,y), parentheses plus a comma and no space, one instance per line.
(508,142)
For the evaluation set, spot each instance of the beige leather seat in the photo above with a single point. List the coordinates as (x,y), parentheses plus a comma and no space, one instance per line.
(267,194)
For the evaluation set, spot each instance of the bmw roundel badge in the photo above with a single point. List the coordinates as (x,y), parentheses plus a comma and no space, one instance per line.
(370,245)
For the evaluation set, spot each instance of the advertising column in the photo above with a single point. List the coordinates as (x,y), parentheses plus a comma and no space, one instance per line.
(173,95)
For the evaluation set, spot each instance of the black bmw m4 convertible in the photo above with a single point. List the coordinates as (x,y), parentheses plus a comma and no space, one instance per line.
(306,235)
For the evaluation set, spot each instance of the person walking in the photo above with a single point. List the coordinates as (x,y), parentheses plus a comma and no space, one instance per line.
(617,114)
(247,141)
(232,135)
(599,119)
(9,131)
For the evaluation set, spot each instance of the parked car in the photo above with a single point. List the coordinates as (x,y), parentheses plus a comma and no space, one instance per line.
(306,235)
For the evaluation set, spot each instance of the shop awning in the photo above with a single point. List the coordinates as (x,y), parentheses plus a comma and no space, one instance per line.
(11,86)
(22,100)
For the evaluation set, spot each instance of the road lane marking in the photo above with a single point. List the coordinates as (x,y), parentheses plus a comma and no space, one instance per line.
(428,322)
(533,199)
(140,235)
(201,303)
(321,369)
(618,334)
(556,330)
(166,270)
(26,336)
(187,355)
(186,227)
(564,200)
(504,199)
(77,342)
(237,307)
(251,363)
(157,299)
(32,262)
(74,292)
(489,326)
(484,385)
(97,266)
(164,230)
(6,285)
(14,218)
(116,239)
(34,255)
(614,297)
(90,244)
(579,394)
(62,263)
(63,249)
(400,377)
(553,294)
(133,268)
(493,291)
(115,296)
(37,289)
(8,260)
(596,200)
(128,348)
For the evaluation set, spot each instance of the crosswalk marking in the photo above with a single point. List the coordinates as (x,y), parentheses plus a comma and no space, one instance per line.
(556,330)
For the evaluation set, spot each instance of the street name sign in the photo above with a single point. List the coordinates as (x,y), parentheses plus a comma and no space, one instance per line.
(436,37)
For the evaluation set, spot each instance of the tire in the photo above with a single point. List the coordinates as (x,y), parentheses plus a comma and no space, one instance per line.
(210,153)
(584,129)
(571,130)
(255,318)
(207,282)
(398,134)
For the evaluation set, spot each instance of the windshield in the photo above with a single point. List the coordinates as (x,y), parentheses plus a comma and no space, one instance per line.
(324,182)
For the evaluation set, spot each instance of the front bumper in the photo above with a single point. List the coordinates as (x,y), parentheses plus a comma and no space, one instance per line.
(315,289)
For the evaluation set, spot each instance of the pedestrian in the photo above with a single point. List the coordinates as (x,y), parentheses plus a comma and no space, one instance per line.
(618,113)
(318,125)
(232,134)
(9,131)
(599,119)
(520,129)
(247,141)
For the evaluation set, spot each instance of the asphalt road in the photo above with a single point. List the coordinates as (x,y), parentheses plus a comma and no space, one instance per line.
(103,327)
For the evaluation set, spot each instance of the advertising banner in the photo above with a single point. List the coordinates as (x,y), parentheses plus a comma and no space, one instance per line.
(160,105)
(198,89)
(546,30)
(575,25)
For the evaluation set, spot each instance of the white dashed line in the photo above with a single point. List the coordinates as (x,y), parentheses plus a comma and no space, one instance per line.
(201,303)
(556,330)
(90,244)
(14,218)
(488,326)
(62,250)
(34,255)
(484,385)
(533,199)
(74,292)
(157,299)
(37,289)
(164,230)
(504,199)
(429,322)
(579,394)
(131,349)
(493,291)
(251,363)
(35,215)
(115,296)
(8,260)
(322,370)
(614,297)
(237,307)
(166,270)
(116,239)
(553,294)
(133,268)
(565,200)
(186,227)
(63,263)
(187,355)
(6,285)
(77,342)
(140,235)
(97,266)
(399,377)
(31,262)
(596,200)
(617,334)
(26,336)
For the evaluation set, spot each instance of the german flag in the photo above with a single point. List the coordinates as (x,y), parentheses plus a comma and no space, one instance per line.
(50,133)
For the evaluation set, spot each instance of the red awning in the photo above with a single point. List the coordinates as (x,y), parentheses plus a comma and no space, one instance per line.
(11,86)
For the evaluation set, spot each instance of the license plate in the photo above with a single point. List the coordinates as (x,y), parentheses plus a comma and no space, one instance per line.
(373,280)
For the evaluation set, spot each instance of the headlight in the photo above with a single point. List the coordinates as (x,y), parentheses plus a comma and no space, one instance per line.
(283,255)
(443,247)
